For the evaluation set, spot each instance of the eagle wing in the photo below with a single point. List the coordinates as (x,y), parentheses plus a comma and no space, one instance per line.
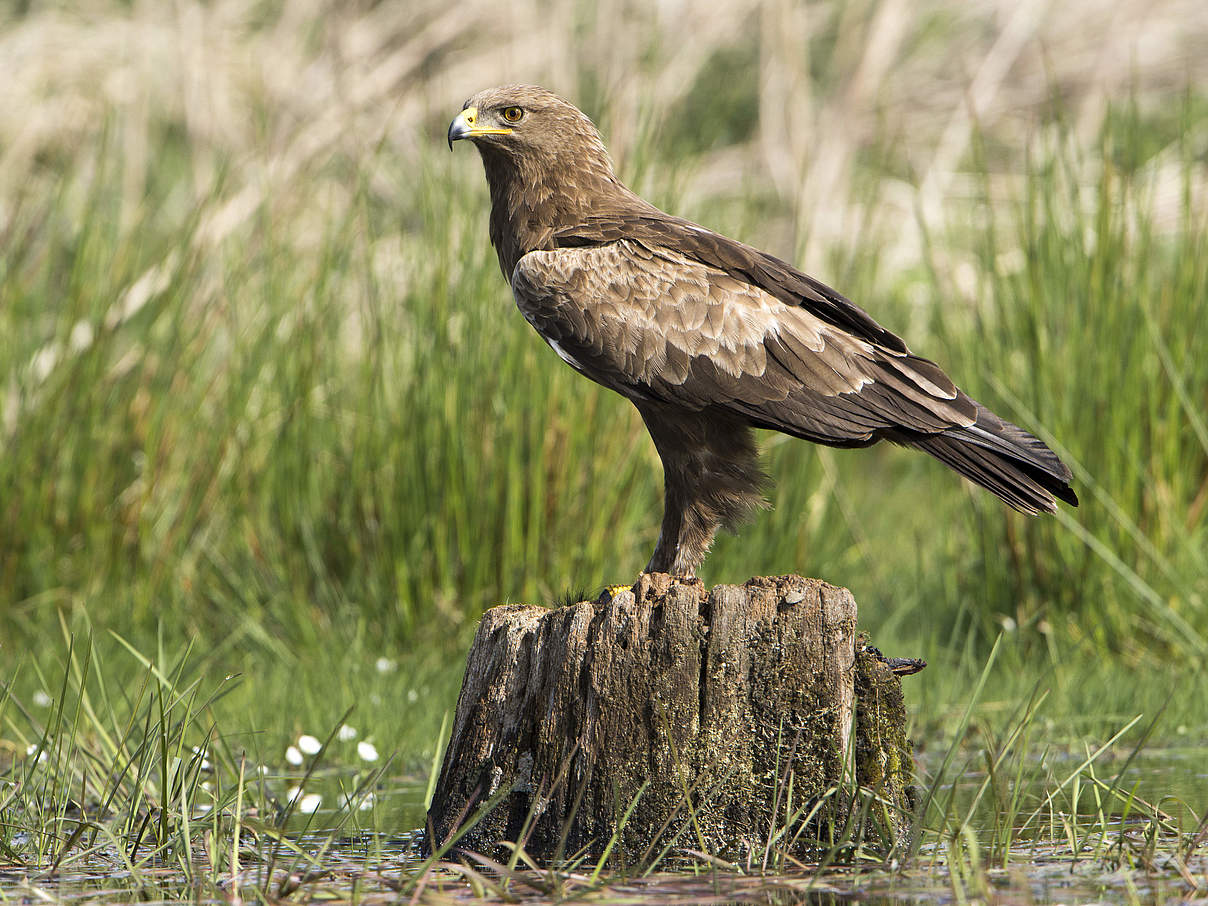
(643,223)
(654,324)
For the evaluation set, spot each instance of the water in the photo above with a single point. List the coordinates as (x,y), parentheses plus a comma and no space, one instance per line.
(1079,848)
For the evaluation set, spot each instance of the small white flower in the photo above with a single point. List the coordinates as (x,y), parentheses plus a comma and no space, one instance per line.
(205,758)
(309,745)
(367,802)
(346,733)
(412,696)
(262,770)
(384,665)
(42,756)
(207,786)
(41,699)
(294,793)
(367,750)
(293,756)
(310,803)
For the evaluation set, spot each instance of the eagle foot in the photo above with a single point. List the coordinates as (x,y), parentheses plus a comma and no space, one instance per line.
(611,591)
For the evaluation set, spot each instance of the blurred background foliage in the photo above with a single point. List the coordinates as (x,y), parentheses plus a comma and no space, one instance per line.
(263,393)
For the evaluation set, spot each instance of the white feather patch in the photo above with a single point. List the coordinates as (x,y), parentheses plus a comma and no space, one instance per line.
(564,355)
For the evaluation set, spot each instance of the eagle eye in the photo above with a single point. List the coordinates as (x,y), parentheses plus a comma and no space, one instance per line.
(512,114)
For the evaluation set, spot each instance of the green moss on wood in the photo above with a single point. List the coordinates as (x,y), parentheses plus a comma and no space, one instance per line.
(884,760)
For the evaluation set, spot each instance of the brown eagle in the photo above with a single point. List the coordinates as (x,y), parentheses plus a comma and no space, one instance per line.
(709,337)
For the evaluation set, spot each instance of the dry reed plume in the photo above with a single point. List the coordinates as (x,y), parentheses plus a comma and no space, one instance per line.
(273,91)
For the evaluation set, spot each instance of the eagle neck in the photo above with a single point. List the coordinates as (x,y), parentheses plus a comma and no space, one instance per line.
(531,200)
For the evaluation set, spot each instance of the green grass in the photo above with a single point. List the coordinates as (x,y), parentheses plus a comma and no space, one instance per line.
(296,455)
(145,791)
(290,463)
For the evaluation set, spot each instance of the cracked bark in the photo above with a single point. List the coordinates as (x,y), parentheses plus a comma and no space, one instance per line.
(722,716)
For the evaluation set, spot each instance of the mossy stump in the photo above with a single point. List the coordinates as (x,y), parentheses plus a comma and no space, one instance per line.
(670,717)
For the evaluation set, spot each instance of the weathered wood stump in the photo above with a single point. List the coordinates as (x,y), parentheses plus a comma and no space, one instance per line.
(669,716)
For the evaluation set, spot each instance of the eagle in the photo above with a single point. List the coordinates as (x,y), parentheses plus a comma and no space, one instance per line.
(709,337)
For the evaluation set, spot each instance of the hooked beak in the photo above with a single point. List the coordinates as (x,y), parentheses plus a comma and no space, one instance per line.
(465,125)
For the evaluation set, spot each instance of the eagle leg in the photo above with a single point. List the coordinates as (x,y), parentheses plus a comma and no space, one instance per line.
(711,480)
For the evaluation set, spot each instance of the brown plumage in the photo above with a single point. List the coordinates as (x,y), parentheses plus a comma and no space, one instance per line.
(709,337)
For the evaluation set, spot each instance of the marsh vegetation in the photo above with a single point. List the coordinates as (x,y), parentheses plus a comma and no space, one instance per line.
(272,435)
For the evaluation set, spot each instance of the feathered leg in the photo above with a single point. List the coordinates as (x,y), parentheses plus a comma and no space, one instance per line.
(711,480)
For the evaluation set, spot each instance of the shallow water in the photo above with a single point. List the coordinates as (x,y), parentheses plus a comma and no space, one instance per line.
(371,870)
(1074,852)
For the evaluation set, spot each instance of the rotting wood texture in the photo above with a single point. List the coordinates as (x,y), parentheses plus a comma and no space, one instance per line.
(671,715)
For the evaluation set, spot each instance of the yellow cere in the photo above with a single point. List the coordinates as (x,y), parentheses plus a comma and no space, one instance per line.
(469,117)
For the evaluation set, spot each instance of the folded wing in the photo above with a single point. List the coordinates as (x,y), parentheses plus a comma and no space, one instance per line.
(654,323)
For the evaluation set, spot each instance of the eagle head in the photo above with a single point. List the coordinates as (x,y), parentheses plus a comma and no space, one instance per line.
(546,165)
(530,124)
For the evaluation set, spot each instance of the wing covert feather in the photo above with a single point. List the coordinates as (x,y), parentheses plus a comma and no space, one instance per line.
(654,325)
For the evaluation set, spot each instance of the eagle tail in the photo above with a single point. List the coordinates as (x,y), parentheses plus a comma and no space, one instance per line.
(1004,459)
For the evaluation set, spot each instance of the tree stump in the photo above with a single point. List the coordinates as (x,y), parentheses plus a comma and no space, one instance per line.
(668,717)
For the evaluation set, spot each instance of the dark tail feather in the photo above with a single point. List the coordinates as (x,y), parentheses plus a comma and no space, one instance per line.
(1004,459)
